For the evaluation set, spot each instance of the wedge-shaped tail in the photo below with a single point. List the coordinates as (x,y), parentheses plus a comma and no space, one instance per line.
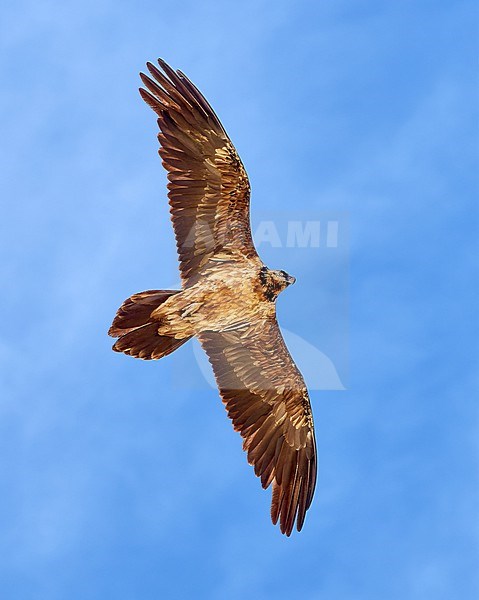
(138,331)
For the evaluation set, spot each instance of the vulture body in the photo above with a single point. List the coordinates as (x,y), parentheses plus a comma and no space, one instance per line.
(227,299)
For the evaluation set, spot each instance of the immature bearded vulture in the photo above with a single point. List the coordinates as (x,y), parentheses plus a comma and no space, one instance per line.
(228,297)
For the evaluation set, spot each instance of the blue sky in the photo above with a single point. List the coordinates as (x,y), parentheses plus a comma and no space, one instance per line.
(119,478)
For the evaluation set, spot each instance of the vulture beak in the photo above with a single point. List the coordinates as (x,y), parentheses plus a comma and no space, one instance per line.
(291,279)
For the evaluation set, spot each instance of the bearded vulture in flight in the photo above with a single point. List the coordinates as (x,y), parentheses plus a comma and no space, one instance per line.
(227,298)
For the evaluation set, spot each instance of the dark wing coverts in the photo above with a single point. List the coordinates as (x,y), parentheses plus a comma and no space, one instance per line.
(208,187)
(267,400)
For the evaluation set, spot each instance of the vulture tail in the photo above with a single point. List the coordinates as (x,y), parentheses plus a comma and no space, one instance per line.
(137,332)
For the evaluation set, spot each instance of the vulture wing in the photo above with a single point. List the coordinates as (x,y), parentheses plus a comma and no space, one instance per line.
(208,187)
(267,400)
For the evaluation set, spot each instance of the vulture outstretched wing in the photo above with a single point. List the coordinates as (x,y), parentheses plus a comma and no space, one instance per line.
(267,400)
(208,187)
